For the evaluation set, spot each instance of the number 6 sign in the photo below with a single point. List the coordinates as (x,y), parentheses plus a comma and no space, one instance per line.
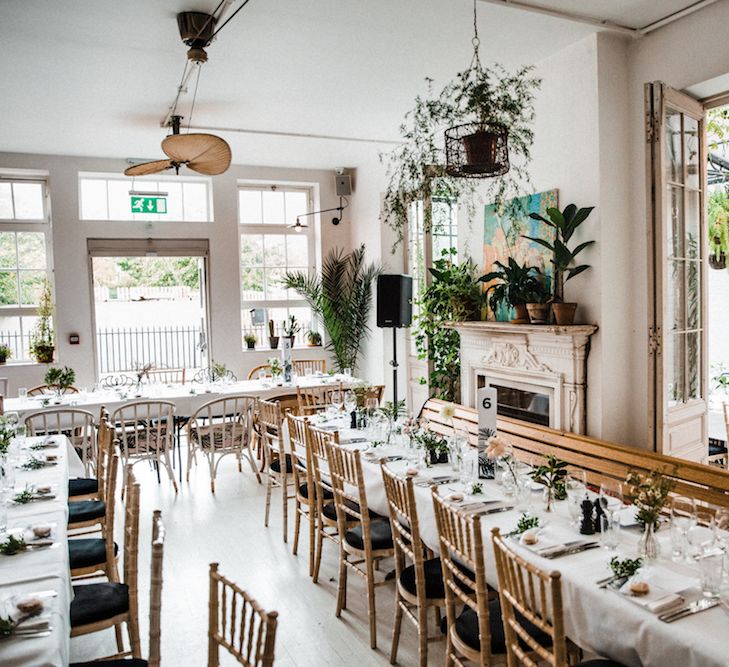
(486,404)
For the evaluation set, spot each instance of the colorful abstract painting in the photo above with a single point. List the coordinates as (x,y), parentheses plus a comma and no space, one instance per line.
(503,238)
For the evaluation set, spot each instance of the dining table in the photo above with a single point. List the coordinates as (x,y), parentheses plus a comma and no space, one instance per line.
(40,571)
(601,620)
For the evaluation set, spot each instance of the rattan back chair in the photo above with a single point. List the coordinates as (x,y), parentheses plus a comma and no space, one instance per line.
(419,581)
(50,389)
(369,541)
(221,427)
(309,366)
(304,484)
(146,430)
(238,624)
(166,376)
(464,577)
(77,425)
(312,399)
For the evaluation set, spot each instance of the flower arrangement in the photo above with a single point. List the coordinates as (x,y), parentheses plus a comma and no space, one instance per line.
(61,378)
(435,446)
(218,371)
(142,371)
(552,475)
(276,367)
(500,449)
(649,494)
(7,433)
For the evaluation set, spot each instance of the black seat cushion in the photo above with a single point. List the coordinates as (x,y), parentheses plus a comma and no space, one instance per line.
(330,511)
(119,662)
(434,587)
(276,465)
(82,486)
(87,552)
(85,510)
(379,534)
(716,449)
(98,602)
(467,629)
(304,491)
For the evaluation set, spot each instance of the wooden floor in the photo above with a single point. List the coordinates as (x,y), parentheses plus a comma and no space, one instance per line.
(228,528)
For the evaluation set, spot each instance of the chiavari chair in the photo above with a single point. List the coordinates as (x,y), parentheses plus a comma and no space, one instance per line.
(155,605)
(238,624)
(309,366)
(98,606)
(77,425)
(312,399)
(419,580)
(531,603)
(87,488)
(363,546)
(221,427)
(50,389)
(376,391)
(146,431)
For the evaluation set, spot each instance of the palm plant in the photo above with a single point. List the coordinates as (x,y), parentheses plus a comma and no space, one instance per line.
(342,298)
(518,285)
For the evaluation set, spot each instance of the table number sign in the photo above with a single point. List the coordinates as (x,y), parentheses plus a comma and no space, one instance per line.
(286,358)
(486,406)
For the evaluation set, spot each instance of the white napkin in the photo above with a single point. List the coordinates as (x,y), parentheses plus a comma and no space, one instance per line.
(657,600)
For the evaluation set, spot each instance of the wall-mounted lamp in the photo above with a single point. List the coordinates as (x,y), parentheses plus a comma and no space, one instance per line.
(298,225)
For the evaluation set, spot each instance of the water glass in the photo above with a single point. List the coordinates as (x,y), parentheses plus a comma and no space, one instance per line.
(347,372)
(610,531)
(702,535)
(611,496)
(712,572)
(523,493)
(469,465)
(22,392)
(350,401)
(456,445)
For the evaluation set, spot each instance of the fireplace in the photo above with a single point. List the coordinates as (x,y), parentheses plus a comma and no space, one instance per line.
(539,372)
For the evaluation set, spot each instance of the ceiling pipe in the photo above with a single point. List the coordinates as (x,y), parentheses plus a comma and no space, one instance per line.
(296,135)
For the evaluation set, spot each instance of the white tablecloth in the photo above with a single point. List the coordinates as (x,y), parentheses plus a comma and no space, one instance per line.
(46,569)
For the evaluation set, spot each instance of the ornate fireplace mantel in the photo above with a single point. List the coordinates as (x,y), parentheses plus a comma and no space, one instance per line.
(548,360)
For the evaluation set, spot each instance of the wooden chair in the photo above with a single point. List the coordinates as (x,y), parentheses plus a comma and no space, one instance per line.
(475,635)
(531,603)
(77,425)
(220,427)
(146,431)
(419,581)
(310,366)
(374,391)
(119,381)
(166,376)
(238,624)
(155,604)
(88,488)
(209,375)
(718,453)
(50,389)
(269,424)
(253,373)
(312,399)
(368,542)
(99,606)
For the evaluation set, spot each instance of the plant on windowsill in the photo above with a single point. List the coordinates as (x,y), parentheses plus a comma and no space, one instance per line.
(5,353)
(290,328)
(313,339)
(41,341)
(565,223)
(250,340)
(272,338)
(517,285)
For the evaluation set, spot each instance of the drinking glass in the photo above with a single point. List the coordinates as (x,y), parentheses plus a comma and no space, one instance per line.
(611,496)
(338,400)
(523,493)
(22,392)
(350,401)
(347,372)
(469,465)
(576,492)
(712,572)
(683,517)
(610,531)
(456,446)
(702,534)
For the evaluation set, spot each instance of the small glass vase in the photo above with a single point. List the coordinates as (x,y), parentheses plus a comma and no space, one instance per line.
(549,498)
(648,547)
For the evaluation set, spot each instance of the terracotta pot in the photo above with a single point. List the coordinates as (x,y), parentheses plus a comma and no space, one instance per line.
(564,313)
(273,342)
(521,314)
(538,312)
(718,263)
(482,150)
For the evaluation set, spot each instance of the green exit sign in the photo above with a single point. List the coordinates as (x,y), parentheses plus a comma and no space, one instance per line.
(149,204)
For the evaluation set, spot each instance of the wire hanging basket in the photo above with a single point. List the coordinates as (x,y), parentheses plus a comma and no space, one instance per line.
(477,150)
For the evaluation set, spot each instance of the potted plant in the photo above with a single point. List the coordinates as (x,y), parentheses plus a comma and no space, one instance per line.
(517,285)
(5,353)
(41,341)
(276,367)
(551,474)
(435,447)
(60,379)
(272,339)
(565,223)
(290,328)
(250,340)
(341,296)
(313,338)
(540,308)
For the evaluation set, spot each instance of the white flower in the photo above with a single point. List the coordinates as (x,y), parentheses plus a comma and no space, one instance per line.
(497,446)
(447,410)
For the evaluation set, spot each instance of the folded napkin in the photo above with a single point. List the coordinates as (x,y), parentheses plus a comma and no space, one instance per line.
(656,601)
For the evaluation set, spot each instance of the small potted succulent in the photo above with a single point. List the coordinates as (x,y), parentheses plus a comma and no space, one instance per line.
(313,338)
(272,338)
(250,340)
(5,353)
(517,286)
(290,328)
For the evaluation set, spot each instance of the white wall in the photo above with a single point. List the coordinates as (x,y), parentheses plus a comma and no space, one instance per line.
(72,286)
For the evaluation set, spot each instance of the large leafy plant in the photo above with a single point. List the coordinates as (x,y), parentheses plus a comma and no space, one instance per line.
(63,378)
(565,224)
(342,298)
(454,295)
(516,284)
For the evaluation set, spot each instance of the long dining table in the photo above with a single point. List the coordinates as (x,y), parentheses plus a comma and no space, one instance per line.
(599,620)
(40,572)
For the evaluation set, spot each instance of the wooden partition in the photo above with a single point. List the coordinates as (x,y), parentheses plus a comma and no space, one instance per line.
(600,459)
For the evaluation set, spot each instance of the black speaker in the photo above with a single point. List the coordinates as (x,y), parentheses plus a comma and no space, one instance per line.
(394,293)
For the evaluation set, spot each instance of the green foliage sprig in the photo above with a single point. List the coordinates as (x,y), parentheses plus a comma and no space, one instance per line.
(341,296)
(649,494)
(394,410)
(431,442)
(453,296)
(24,497)
(7,626)
(552,475)
(33,463)
(63,378)
(526,522)
(476,488)
(12,545)
(516,285)
(626,568)
(276,366)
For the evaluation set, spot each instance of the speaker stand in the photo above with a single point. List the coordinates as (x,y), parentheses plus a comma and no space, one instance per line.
(394,365)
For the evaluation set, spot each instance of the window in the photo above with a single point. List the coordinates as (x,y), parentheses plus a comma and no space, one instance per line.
(185,199)
(269,247)
(24,259)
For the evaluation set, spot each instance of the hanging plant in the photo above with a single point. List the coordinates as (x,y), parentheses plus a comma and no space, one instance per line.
(461,134)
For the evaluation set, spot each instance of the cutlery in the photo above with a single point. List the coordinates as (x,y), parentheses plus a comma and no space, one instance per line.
(493,510)
(559,547)
(571,550)
(612,582)
(694,608)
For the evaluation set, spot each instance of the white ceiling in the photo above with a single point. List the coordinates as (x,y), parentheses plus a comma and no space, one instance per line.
(94,77)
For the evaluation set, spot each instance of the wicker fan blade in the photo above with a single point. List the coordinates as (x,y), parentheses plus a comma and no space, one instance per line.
(148,168)
(204,153)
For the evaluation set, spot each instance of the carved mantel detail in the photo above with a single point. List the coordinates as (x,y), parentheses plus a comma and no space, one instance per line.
(514,356)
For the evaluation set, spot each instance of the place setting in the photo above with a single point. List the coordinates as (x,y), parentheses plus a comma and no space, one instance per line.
(26,616)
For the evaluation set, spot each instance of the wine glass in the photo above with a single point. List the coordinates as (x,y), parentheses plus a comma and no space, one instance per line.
(611,496)
(338,400)
(702,534)
(350,401)
(683,517)
(576,489)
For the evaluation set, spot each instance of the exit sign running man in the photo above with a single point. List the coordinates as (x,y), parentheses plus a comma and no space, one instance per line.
(149,204)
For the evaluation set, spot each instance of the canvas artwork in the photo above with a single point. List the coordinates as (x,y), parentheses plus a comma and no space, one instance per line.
(503,239)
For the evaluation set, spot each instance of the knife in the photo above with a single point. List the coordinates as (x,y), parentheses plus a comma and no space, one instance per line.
(583,546)
(493,510)
(694,608)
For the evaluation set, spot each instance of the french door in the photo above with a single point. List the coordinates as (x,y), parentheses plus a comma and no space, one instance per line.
(677,336)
